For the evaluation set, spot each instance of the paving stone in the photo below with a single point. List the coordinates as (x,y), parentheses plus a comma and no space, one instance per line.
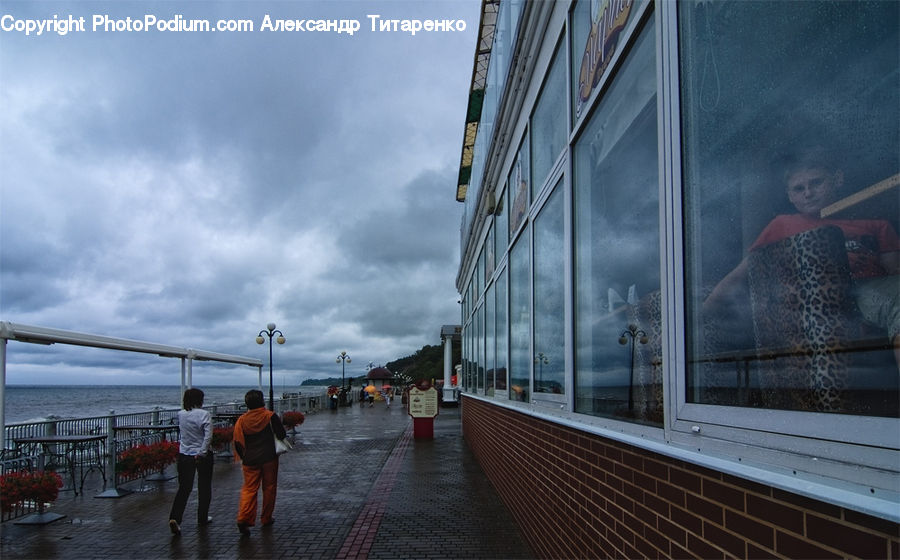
(357,485)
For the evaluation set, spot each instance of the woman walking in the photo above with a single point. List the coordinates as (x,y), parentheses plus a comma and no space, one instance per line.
(194,455)
(255,447)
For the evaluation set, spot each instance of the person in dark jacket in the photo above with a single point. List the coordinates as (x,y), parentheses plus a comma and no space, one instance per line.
(254,446)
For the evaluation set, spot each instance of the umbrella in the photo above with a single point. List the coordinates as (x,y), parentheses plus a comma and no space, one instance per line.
(385,387)
(370,389)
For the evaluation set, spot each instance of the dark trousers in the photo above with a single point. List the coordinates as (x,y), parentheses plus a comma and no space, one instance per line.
(187,465)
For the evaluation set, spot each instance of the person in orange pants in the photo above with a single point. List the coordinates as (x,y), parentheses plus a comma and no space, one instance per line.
(254,446)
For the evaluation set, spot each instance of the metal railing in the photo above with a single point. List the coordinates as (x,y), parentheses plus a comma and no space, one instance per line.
(122,431)
(158,417)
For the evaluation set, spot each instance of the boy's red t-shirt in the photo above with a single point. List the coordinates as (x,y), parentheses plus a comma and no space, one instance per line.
(865,239)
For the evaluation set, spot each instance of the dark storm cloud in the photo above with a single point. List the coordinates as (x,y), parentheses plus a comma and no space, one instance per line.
(187,189)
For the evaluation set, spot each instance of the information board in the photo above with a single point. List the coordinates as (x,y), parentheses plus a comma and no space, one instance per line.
(423,403)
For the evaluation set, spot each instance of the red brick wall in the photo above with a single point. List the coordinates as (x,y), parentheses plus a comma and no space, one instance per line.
(578,495)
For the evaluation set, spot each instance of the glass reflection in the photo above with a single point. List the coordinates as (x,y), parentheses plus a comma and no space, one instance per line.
(519,320)
(549,297)
(617,247)
(790,148)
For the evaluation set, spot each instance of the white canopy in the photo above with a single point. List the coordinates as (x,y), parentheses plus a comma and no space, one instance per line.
(44,335)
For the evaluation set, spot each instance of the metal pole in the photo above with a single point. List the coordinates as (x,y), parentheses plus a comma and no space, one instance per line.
(343,358)
(631,379)
(2,393)
(634,334)
(271,391)
(270,331)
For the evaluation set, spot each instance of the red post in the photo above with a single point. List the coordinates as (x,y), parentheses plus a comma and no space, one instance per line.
(423,428)
(422,407)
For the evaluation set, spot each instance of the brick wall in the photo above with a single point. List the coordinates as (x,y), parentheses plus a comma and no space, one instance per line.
(578,495)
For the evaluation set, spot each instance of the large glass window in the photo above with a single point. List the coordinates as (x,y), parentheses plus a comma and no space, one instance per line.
(549,297)
(520,319)
(618,360)
(505,33)
(791,159)
(467,300)
(490,259)
(549,123)
(466,360)
(501,333)
(490,344)
(479,347)
(518,188)
(478,282)
(501,226)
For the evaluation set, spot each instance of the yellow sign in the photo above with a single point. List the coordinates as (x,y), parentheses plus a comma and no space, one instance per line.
(423,404)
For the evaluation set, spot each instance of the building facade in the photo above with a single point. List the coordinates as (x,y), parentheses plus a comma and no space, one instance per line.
(679,275)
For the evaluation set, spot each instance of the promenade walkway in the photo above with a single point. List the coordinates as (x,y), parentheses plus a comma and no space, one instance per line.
(357,485)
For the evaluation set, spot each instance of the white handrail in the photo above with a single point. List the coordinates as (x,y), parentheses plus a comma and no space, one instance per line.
(44,335)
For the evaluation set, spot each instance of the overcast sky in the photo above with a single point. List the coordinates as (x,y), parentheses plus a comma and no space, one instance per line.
(189,188)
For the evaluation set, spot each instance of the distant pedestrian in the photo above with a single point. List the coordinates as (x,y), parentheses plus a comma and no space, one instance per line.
(254,445)
(194,455)
(362,396)
(387,397)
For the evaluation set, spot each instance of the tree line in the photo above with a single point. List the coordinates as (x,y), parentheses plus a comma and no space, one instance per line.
(425,363)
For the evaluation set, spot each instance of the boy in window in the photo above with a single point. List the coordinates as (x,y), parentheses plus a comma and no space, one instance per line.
(873,247)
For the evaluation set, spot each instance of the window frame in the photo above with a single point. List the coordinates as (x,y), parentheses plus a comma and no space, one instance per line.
(558,56)
(526,248)
(831,445)
(840,459)
(556,180)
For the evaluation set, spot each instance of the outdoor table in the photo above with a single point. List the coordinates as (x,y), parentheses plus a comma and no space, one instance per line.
(72,449)
(228,416)
(161,428)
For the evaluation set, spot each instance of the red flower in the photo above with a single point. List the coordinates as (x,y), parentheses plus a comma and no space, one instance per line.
(222,437)
(142,459)
(292,418)
(21,486)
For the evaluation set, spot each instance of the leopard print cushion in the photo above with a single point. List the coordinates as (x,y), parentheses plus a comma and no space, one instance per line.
(802,312)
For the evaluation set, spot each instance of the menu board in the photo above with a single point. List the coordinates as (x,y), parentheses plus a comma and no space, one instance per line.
(423,403)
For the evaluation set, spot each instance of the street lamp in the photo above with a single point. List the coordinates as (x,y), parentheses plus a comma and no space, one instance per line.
(541,360)
(342,359)
(280,340)
(634,333)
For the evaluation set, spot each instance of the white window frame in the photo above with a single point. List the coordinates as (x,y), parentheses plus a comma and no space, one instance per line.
(859,450)
(555,179)
(851,461)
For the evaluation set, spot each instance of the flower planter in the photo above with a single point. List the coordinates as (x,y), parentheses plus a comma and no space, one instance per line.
(221,442)
(291,419)
(37,487)
(142,460)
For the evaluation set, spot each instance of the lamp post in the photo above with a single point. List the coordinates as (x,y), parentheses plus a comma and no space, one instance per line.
(270,332)
(541,359)
(342,359)
(634,333)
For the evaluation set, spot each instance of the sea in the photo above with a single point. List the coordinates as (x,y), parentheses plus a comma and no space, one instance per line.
(30,403)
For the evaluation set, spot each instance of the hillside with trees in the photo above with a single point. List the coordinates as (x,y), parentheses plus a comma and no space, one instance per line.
(425,363)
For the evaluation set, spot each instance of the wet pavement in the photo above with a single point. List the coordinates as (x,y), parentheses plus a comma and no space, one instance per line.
(356,485)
